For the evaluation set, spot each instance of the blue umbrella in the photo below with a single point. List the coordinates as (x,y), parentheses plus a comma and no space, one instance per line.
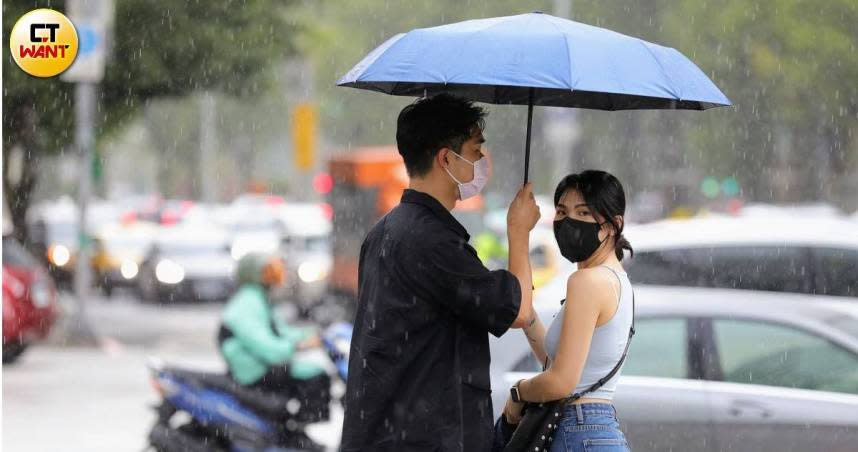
(536,59)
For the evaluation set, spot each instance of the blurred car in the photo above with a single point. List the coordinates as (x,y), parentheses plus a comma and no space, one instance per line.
(29,300)
(54,234)
(306,249)
(717,369)
(252,230)
(203,214)
(143,207)
(809,210)
(257,200)
(545,257)
(174,210)
(118,251)
(776,253)
(188,264)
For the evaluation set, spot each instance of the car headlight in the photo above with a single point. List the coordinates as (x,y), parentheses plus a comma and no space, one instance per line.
(311,272)
(60,255)
(169,272)
(128,269)
(40,294)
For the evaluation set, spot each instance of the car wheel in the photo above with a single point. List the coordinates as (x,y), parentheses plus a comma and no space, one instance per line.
(107,288)
(12,351)
(146,285)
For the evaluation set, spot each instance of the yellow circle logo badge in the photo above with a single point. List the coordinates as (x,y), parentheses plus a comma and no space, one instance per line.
(44,43)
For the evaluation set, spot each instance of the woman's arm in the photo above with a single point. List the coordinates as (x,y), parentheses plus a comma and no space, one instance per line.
(535,334)
(586,292)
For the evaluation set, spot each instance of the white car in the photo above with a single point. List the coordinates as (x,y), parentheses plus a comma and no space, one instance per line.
(253,229)
(306,249)
(188,263)
(717,369)
(774,253)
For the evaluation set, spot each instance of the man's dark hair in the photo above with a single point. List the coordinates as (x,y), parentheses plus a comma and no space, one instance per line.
(431,123)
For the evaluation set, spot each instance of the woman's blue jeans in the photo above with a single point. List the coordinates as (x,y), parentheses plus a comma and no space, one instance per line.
(589,427)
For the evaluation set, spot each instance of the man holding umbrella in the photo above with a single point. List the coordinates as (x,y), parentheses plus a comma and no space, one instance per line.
(419,366)
(418,376)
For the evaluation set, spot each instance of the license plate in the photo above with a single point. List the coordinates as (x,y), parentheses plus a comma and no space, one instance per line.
(208,288)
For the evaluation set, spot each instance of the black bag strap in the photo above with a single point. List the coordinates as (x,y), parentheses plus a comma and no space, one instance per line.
(616,368)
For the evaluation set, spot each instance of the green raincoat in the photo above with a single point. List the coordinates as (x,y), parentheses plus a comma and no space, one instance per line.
(259,339)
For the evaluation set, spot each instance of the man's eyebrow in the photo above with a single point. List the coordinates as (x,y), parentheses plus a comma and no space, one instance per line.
(582,205)
(481,140)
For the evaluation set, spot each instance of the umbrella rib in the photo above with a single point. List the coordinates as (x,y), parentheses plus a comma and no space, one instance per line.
(661,68)
(568,54)
(474,35)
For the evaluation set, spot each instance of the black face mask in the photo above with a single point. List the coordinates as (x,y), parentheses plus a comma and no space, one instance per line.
(577,239)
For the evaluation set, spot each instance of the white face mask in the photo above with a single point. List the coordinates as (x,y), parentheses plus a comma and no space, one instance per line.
(481,177)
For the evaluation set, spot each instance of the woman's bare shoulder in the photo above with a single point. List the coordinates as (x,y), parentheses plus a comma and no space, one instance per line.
(589,283)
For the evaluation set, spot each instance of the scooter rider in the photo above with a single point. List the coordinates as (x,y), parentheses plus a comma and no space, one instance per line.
(257,346)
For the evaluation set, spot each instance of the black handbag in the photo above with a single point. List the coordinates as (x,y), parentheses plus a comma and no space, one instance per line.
(535,430)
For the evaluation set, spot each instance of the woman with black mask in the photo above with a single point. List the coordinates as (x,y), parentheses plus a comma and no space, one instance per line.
(585,346)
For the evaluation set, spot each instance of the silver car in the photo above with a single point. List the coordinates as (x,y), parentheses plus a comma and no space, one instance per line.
(306,248)
(812,255)
(718,369)
(188,263)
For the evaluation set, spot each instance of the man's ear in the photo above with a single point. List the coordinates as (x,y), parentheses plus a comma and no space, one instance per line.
(442,157)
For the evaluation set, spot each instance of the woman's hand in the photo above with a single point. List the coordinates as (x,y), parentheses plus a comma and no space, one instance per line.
(512,411)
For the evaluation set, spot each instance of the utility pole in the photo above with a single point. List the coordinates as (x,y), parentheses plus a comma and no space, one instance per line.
(84,98)
(93,20)
(208,153)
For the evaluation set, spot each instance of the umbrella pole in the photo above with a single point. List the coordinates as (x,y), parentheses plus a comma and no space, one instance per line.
(527,143)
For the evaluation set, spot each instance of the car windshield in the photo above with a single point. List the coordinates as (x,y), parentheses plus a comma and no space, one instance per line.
(312,243)
(126,245)
(317,243)
(847,324)
(191,250)
(64,233)
(256,226)
(15,255)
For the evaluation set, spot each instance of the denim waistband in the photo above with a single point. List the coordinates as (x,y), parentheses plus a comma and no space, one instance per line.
(583,410)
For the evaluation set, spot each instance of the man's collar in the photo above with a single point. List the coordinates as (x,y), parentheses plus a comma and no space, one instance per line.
(417,197)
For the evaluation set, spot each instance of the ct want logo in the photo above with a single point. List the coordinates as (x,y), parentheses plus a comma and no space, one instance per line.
(44,43)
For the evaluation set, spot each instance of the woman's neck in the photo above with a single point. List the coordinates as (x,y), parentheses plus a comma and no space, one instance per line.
(605,255)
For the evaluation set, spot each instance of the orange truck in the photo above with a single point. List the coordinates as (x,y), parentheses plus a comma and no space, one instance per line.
(368,183)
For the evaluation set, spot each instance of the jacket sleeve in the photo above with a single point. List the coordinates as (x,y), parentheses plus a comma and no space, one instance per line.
(247,317)
(451,274)
(293,333)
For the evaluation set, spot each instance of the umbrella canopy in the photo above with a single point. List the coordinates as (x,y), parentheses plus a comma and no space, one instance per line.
(536,59)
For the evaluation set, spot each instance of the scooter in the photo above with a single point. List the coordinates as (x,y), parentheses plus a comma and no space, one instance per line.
(202,411)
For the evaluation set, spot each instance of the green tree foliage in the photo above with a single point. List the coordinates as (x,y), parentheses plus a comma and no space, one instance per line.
(160,48)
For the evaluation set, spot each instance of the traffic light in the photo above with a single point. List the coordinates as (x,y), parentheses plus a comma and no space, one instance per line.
(304,119)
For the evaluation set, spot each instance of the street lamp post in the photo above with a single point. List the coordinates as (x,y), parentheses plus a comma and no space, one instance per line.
(92,20)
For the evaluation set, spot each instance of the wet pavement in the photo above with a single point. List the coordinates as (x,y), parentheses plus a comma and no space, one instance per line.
(59,396)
